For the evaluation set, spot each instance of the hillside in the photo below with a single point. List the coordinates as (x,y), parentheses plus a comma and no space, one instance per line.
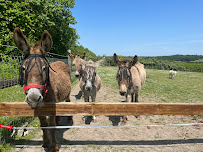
(184,58)
(178,62)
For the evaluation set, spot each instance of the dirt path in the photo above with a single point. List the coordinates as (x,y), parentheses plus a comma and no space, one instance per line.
(170,139)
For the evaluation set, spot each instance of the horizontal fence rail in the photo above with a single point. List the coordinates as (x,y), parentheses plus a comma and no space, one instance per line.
(107,109)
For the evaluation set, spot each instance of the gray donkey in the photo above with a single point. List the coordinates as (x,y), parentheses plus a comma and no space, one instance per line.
(90,83)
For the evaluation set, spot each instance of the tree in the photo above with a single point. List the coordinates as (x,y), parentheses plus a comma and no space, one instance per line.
(35,16)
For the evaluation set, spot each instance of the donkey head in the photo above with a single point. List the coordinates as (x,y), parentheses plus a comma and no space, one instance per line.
(124,76)
(88,77)
(78,62)
(34,70)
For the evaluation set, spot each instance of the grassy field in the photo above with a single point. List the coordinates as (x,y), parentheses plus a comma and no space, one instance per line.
(185,87)
(12,94)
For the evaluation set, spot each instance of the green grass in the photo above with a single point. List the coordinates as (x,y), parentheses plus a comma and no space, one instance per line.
(185,87)
(12,94)
(108,76)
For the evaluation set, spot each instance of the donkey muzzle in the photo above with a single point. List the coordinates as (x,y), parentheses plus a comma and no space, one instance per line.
(88,88)
(122,93)
(34,98)
(123,89)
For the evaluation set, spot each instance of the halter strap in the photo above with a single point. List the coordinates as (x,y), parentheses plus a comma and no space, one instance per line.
(25,88)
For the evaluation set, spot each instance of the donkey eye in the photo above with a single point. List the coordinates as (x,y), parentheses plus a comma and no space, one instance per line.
(23,68)
(43,68)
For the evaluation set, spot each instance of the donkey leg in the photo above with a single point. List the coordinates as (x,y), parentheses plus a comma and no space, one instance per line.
(136,100)
(52,122)
(70,118)
(44,123)
(132,97)
(136,97)
(86,99)
(125,118)
(93,100)
(68,98)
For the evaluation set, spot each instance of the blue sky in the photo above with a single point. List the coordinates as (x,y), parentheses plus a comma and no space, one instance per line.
(141,27)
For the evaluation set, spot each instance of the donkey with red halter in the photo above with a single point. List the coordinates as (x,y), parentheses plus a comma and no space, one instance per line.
(43,82)
(131,76)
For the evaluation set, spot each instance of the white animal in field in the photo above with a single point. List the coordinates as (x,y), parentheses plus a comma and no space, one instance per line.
(172,74)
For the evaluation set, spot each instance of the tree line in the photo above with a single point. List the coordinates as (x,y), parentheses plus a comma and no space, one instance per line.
(178,57)
(166,64)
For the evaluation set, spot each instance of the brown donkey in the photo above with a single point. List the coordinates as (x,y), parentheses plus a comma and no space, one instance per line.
(78,64)
(131,77)
(43,82)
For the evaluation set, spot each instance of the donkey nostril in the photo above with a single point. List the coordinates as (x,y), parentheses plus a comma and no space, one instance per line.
(122,93)
(88,88)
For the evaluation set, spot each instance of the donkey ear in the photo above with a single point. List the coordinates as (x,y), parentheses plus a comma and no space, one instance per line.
(69,54)
(20,41)
(46,42)
(83,56)
(134,60)
(116,59)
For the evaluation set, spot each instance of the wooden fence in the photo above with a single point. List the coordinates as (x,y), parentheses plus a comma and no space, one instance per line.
(107,109)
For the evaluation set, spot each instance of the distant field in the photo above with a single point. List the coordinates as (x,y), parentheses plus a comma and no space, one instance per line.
(185,87)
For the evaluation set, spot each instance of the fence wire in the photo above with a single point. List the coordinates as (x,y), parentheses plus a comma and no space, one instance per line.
(11,91)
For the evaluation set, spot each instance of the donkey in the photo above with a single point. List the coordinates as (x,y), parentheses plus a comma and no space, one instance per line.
(90,84)
(78,64)
(131,76)
(97,63)
(43,82)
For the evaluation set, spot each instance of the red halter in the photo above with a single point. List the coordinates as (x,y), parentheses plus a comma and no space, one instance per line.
(25,88)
